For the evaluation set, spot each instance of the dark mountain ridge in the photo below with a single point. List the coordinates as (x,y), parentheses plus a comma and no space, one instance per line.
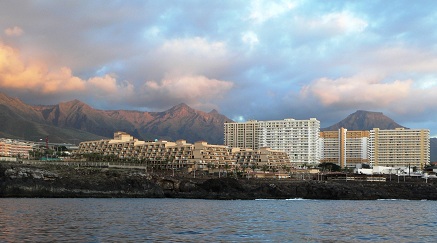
(364,120)
(75,120)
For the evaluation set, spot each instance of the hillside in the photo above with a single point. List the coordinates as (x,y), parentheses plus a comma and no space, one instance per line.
(433,149)
(364,120)
(77,121)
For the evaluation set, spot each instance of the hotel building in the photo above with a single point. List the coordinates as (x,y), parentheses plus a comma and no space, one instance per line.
(344,148)
(297,138)
(399,147)
(180,154)
(13,148)
(242,134)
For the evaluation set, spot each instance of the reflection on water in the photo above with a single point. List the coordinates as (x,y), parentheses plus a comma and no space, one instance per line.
(182,220)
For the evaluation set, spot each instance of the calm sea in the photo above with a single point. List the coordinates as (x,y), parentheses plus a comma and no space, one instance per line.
(186,220)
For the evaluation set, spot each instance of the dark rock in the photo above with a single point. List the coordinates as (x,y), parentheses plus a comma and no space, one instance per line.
(20,180)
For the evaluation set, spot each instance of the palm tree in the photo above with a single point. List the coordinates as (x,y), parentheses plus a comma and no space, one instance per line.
(265,168)
(210,166)
(226,168)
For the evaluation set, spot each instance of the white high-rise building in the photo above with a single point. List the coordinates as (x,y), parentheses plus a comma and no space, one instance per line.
(399,147)
(298,138)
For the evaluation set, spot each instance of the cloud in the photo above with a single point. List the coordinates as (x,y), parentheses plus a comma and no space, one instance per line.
(358,91)
(400,58)
(34,76)
(328,25)
(189,89)
(36,79)
(304,58)
(372,92)
(102,86)
(179,85)
(189,56)
(344,22)
(261,10)
(250,38)
(14,31)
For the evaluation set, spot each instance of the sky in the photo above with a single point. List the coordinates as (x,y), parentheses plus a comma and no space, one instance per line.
(262,60)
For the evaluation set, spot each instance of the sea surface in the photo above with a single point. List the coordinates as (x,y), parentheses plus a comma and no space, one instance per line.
(190,220)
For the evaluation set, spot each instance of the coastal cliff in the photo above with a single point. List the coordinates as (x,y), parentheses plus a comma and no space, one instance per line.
(19,180)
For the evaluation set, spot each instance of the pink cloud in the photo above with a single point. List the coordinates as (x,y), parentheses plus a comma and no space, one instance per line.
(14,31)
(359,90)
(35,77)
(188,87)
(371,92)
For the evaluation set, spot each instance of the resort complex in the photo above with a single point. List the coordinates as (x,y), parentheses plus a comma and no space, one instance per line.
(182,155)
(274,146)
(306,146)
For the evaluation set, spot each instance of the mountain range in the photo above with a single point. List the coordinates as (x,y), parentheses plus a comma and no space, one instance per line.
(75,121)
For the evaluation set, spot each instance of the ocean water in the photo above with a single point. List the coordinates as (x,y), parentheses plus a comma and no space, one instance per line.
(190,220)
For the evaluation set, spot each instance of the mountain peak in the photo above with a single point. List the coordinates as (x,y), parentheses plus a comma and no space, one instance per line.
(365,120)
(7,99)
(74,105)
(214,112)
(74,102)
(181,108)
(367,112)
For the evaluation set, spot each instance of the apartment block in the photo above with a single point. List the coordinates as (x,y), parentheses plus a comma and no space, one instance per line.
(242,134)
(344,148)
(261,158)
(399,147)
(297,138)
(14,148)
(180,154)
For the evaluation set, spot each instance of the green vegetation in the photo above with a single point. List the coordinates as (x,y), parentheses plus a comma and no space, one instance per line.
(329,167)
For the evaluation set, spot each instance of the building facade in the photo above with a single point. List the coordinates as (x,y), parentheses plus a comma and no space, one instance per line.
(180,154)
(344,148)
(242,134)
(14,148)
(399,147)
(297,138)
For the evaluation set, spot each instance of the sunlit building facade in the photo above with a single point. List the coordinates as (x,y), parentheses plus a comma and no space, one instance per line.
(242,134)
(399,147)
(180,154)
(14,148)
(344,148)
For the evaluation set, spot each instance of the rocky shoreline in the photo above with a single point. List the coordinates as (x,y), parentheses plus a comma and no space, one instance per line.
(60,181)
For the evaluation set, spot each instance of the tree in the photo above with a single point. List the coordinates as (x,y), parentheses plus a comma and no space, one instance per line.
(210,166)
(329,167)
(265,168)
(226,168)
(253,167)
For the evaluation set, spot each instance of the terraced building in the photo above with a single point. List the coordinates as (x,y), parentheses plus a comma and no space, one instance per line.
(180,154)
